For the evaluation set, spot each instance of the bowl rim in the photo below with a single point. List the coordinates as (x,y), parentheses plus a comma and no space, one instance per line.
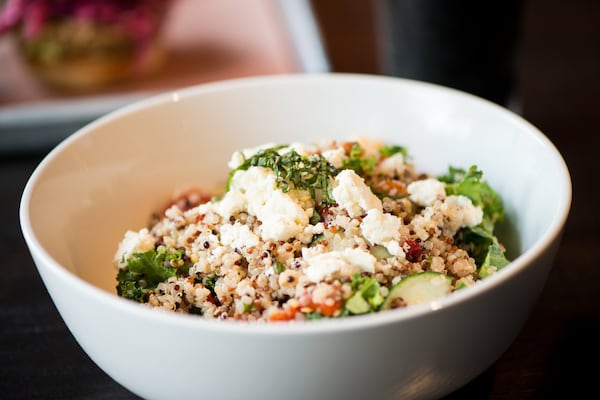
(50,265)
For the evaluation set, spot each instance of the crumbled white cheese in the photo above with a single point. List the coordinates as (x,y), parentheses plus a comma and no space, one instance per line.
(282,218)
(322,266)
(384,229)
(254,191)
(133,242)
(238,236)
(233,202)
(205,208)
(336,157)
(379,227)
(461,212)
(392,165)
(446,217)
(256,184)
(352,194)
(425,192)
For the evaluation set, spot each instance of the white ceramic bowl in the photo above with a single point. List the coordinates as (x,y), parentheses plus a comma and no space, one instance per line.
(109,176)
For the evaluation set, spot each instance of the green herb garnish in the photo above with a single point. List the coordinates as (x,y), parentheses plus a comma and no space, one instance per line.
(144,271)
(209,283)
(357,162)
(293,171)
(479,241)
(470,184)
(390,150)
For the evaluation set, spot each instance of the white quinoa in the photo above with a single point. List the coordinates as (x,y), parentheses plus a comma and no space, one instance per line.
(262,253)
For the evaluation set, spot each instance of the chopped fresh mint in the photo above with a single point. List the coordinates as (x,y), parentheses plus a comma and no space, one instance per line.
(293,171)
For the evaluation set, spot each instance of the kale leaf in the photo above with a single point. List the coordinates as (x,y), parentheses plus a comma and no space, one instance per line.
(479,241)
(357,161)
(390,150)
(144,271)
(470,184)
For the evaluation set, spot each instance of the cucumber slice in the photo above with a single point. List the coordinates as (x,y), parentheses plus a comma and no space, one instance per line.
(357,304)
(419,288)
(380,252)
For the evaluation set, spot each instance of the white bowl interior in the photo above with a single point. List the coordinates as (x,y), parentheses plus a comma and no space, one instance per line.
(112,174)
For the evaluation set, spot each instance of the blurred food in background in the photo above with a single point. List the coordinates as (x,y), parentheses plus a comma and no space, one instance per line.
(86,44)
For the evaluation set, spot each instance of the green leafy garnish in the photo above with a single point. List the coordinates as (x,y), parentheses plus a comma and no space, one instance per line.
(493,261)
(479,241)
(209,282)
(293,171)
(470,184)
(366,297)
(484,248)
(390,150)
(144,271)
(357,162)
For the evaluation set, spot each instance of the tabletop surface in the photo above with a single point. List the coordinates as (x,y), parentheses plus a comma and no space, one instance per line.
(550,358)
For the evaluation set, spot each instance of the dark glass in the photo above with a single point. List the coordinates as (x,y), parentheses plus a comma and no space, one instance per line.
(465,44)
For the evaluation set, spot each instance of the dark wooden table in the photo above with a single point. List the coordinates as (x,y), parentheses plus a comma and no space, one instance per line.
(555,355)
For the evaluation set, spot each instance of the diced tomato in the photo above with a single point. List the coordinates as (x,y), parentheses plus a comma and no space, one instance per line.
(287,314)
(413,250)
(347,146)
(329,310)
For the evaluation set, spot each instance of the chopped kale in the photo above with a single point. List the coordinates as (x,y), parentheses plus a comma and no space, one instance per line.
(390,150)
(144,271)
(470,184)
(494,260)
(479,241)
(358,162)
